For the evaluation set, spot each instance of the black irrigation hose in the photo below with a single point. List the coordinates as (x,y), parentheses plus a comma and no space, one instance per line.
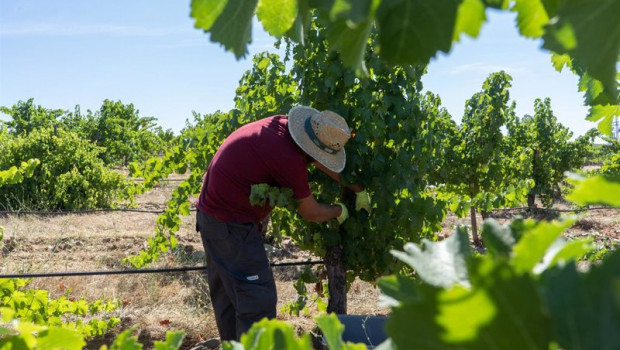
(128,210)
(139,271)
(86,211)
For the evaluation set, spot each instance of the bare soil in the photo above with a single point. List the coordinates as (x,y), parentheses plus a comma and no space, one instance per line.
(157,303)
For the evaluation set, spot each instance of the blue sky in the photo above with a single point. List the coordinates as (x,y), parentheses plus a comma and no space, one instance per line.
(146,52)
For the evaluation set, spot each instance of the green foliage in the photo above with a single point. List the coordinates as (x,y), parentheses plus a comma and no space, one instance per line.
(25,336)
(26,117)
(525,293)
(304,300)
(585,32)
(70,174)
(125,135)
(273,334)
(482,169)
(15,175)
(265,89)
(553,152)
(588,32)
(196,147)
(118,127)
(483,166)
(265,195)
(611,166)
(610,154)
(440,264)
(596,190)
(332,332)
(395,128)
(277,16)
(270,334)
(37,307)
(398,19)
(605,116)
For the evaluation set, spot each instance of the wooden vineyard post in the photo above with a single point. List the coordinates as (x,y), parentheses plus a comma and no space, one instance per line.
(336,281)
(474,226)
(336,269)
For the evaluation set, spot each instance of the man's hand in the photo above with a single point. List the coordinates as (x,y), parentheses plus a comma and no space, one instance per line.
(343,215)
(362,201)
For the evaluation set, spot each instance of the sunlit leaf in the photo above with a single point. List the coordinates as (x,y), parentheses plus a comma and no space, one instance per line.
(439,263)
(412,31)
(469,19)
(60,338)
(596,190)
(533,246)
(531,17)
(605,116)
(589,31)
(232,28)
(277,16)
(502,310)
(205,12)
(332,331)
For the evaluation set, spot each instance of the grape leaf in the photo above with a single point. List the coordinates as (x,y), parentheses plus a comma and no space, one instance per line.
(534,244)
(173,341)
(531,17)
(606,116)
(302,22)
(594,91)
(270,334)
(332,331)
(126,341)
(502,310)
(441,263)
(499,240)
(60,338)
(595,190)
(572,251)
(206,12)
(551,6)
(233,26)
(355,11)
(589,31)
(469,19)
(585,308)
(350,42)
(277,16)
(560,61)
(397,289)
(412,31)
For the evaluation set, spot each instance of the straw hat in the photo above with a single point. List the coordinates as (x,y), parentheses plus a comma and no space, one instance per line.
(322,135)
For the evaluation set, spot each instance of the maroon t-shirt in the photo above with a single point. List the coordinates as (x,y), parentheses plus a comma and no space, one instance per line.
(259,152)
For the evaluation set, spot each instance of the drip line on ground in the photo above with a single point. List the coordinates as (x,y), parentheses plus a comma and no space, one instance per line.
(129,210)
(141,271)
(86,211)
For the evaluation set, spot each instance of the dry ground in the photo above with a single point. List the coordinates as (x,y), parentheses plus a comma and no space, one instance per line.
(156,303)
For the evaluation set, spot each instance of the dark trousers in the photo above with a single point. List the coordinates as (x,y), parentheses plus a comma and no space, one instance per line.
(241,284)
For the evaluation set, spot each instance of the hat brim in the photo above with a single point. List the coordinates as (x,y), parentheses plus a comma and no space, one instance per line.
(296,125)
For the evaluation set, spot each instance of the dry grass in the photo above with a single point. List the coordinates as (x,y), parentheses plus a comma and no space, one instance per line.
(156,303)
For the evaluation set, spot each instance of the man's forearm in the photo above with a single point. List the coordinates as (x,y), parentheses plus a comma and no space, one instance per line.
(314,211)
(324,213)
